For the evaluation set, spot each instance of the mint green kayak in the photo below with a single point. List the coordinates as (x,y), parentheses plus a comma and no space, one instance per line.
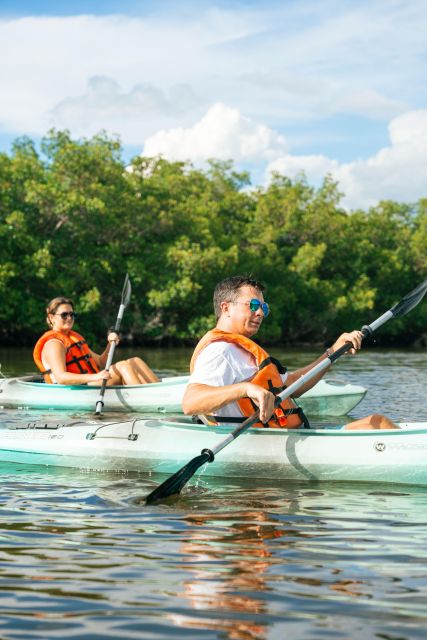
(327,397)
(161,445)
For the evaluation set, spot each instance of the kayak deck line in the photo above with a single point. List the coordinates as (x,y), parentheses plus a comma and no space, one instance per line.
(184,422)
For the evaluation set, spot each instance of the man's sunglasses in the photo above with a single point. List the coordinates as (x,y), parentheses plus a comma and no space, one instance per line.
(256,304)
(65,314)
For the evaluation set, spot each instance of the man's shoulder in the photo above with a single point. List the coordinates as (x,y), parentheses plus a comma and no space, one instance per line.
(221,348)
(221,353)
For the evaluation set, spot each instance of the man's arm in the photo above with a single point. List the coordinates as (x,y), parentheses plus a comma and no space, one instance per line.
(355,338)
(205,399)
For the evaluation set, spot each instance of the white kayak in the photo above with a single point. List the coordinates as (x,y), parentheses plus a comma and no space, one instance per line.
(164,446)
(327,397)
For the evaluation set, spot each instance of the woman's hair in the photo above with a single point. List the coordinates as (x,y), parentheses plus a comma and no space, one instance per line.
(54,304)
(228,290)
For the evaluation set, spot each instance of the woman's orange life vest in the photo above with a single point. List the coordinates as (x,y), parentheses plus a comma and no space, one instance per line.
(287,415)
(78,358)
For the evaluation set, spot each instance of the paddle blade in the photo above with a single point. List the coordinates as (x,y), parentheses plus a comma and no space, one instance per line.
(409,301)
(175,483)
(127,291)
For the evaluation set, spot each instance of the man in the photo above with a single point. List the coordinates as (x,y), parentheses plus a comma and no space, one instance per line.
(231,375)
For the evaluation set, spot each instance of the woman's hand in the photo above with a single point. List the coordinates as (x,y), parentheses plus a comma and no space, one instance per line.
(113,337)
(101,375)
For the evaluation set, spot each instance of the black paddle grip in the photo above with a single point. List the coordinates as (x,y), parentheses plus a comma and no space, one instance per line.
(209,453)
(367,331)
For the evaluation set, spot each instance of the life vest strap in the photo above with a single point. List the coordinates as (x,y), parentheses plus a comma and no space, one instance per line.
(286,412)
(78,343)
(271,360)
(275,390)
(235,420)
(76,359)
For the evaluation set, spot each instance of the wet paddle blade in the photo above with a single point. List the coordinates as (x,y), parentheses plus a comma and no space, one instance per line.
(127,291)
(175,483)
(409,301)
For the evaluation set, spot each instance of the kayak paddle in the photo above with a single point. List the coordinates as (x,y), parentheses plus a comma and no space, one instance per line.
(126,293)
(178,480)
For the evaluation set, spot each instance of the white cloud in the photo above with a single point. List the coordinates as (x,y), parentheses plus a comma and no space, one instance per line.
(54,66)
(396,172)
(304,68)
(133,114)
(369,103)
(409,128)
(154,67)
(222,133)
(315,167)
(276,62)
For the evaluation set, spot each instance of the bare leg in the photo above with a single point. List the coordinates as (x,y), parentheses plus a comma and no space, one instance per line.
(144,370)
(133,371)
(115,378)
(375,421)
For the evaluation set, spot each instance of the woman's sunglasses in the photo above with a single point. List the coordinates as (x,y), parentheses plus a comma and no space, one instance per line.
(256,304)
(67,314)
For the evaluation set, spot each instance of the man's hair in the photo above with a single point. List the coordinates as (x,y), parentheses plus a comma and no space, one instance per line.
(228,290)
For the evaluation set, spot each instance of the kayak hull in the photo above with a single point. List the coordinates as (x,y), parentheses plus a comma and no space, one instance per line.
(162,446)
(332,398)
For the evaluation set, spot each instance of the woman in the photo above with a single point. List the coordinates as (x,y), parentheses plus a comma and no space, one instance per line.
(63,356)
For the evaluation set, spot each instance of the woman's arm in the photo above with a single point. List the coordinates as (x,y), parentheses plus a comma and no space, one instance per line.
(54,357)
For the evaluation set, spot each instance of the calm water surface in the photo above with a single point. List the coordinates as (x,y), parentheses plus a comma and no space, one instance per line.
(237,559)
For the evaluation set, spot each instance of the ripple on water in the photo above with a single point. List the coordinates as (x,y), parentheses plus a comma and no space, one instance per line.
(81,558)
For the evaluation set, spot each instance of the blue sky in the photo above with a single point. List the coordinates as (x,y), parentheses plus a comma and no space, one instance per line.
(336,86)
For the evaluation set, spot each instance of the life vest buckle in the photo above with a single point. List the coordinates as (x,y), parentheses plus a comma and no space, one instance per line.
(281,417)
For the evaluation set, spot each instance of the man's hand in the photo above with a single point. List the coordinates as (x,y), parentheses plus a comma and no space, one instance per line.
(263,399)
(355,338)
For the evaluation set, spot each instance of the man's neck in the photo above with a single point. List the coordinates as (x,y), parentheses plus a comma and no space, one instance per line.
(224,324)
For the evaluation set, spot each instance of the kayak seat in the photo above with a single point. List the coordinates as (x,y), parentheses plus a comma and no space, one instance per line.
(35,378)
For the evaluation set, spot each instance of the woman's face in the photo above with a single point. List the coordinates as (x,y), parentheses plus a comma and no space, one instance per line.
(63,318)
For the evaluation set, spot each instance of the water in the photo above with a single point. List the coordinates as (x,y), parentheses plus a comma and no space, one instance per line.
(228,559)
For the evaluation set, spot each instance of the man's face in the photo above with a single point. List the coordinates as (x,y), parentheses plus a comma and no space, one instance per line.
(239,315)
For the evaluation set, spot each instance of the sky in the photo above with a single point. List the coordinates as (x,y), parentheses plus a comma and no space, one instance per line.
(326,87)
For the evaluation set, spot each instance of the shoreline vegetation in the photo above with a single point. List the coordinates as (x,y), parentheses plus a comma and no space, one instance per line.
(74,219)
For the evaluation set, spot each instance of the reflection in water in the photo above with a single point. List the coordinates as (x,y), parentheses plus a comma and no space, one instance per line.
(240,583)
(234,564)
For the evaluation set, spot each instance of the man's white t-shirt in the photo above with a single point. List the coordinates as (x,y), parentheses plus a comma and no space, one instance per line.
(222,363)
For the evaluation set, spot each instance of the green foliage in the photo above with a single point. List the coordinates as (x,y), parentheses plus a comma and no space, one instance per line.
(74,219)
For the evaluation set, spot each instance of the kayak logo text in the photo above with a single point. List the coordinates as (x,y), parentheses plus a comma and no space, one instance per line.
(379,446)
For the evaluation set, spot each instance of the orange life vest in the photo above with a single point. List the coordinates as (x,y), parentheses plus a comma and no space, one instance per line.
(78,358)
(287,415)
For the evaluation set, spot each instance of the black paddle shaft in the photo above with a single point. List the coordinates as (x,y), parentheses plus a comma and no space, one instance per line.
(126,293)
